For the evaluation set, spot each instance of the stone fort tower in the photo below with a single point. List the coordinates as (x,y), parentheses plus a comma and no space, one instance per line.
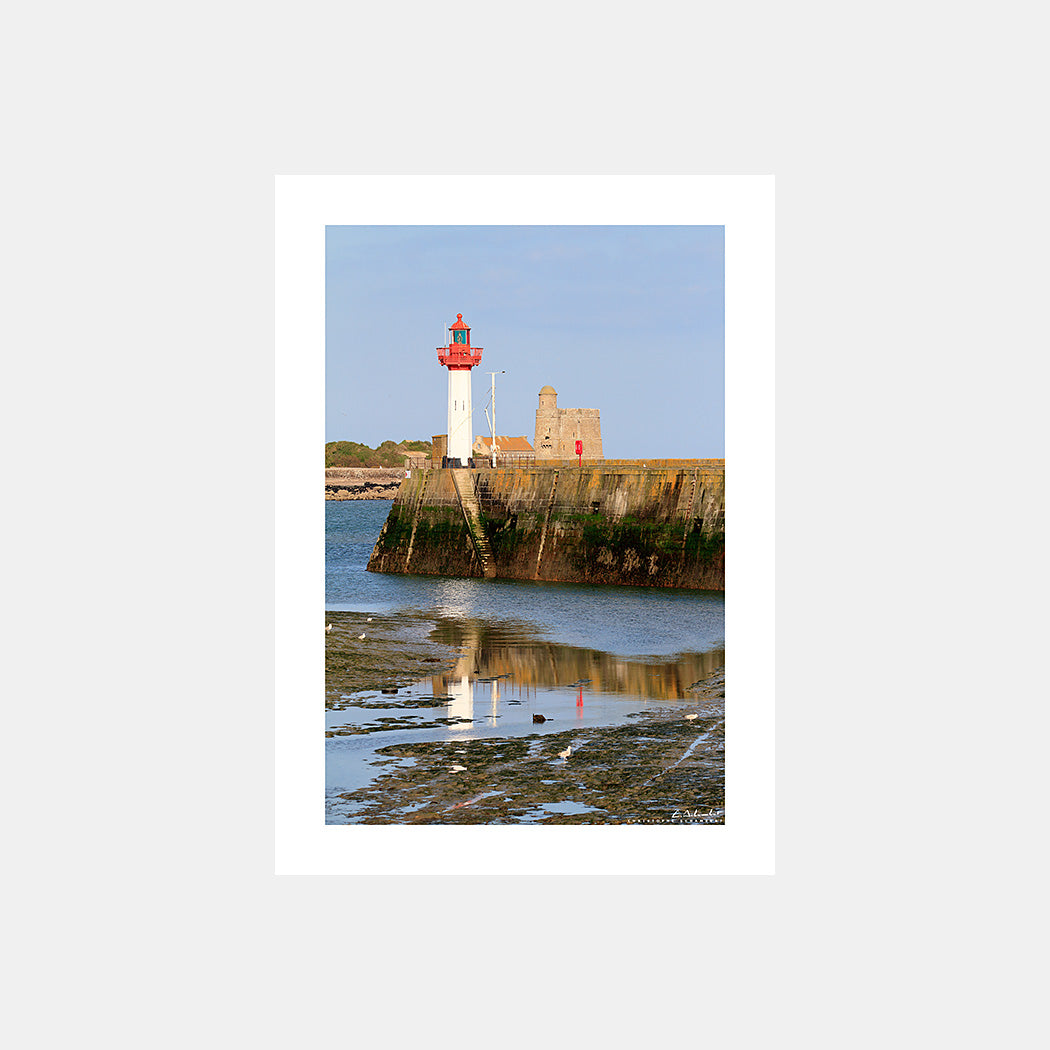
(558,429)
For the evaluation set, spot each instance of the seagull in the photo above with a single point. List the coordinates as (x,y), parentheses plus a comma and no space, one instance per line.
(360,637)
(328,628)
(458,769)
(369,619)
(565,753)
(689,718)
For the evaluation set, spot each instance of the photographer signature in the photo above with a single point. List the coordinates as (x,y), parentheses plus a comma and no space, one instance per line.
(694,814)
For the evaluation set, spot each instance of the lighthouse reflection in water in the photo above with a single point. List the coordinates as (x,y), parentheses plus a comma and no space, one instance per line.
(461,708)
(576,655)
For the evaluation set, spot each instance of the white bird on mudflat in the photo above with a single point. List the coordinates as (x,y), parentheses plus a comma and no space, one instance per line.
(566,752)
(328,628)
(458,769)
(689,718)
(369,619)
(360,637)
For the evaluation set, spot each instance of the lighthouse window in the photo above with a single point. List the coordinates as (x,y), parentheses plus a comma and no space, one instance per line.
(460,336)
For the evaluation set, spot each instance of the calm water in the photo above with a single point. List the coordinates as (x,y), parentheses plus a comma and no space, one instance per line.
(627,621)
(583,656)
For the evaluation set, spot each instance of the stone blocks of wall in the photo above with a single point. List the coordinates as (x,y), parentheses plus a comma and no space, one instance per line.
(628,524)
(425,532)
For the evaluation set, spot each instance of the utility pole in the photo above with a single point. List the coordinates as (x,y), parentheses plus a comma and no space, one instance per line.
(492,418)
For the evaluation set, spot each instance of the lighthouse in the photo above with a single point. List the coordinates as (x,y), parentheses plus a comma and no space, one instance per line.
(459,357)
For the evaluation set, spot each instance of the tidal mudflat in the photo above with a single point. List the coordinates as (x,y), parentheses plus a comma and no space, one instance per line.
(621,741)
(432,716)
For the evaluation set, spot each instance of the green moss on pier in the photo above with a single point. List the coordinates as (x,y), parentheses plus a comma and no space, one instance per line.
(589,526)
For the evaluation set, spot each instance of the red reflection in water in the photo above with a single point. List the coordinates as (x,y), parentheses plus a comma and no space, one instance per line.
(579,703)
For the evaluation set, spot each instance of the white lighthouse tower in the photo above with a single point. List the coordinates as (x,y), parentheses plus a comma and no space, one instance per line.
(459,357)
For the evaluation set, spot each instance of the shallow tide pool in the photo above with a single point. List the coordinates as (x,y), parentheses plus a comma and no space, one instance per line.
(585,658)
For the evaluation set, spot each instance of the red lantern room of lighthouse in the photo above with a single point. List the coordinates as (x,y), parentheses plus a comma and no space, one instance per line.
(459,357)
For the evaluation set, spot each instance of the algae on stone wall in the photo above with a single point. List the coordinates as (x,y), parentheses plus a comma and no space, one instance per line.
(660,526)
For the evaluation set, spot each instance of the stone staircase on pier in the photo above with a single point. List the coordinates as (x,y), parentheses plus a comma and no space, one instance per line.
(468,500)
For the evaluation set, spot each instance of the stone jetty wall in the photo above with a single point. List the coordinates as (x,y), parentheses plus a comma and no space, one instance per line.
(660,524)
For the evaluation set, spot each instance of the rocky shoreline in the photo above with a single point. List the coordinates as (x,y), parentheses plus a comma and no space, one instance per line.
(362,482)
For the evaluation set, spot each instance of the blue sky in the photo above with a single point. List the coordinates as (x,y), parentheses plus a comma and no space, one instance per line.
(626,319)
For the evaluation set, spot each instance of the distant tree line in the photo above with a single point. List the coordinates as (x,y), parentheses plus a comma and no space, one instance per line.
(388,454)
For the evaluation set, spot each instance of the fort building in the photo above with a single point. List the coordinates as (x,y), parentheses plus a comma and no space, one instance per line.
(558,429)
